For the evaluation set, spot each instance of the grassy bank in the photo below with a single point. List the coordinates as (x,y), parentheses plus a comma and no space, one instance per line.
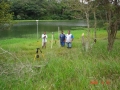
(60,68)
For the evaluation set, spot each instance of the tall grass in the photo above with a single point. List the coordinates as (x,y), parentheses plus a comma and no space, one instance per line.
(60,68)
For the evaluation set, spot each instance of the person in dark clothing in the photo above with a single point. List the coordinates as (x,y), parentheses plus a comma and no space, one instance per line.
(62,39)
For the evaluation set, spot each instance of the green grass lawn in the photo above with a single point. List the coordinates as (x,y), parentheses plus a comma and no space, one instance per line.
(60,68)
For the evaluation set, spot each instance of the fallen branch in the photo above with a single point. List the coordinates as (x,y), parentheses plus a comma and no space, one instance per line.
(5,51)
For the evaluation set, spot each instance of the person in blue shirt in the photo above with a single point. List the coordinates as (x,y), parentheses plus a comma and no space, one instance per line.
(62,39)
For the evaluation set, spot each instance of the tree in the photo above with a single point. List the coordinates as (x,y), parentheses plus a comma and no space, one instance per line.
(112,9)
(94,10)
(40,9)
(5,15)
(84,6)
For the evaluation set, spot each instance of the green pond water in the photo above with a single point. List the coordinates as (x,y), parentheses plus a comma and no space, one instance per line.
(29,28)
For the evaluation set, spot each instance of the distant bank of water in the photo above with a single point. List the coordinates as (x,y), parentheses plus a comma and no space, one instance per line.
(21,29)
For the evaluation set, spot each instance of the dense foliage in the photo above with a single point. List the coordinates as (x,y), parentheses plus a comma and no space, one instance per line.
(40,9)
(5,15)
(45,10)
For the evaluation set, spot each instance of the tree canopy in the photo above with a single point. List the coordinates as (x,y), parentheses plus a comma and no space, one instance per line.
(39,9)
(5,15)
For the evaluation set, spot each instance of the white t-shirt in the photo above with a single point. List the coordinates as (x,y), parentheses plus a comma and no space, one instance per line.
(69,37)
(44,38)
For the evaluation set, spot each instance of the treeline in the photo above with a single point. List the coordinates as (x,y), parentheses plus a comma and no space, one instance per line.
(46,10)
(40,9)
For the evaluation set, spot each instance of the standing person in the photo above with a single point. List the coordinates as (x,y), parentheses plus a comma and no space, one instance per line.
(69,39)
(44,40)
(62,39)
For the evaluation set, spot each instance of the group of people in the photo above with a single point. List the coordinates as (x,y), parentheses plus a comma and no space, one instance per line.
(68,38)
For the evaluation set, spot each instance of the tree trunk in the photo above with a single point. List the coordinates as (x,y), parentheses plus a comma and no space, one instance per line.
(88,32)
(112,30)
(111,35)
(88,25)
(95,23)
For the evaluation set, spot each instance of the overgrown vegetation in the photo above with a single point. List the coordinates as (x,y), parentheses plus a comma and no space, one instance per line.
(61,68)
(5,15)
(40,9)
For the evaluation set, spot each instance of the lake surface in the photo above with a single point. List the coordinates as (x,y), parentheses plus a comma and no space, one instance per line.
(29,28)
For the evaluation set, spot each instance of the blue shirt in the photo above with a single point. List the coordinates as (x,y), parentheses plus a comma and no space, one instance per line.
(62,37)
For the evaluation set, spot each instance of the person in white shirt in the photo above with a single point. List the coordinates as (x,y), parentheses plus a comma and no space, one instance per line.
(69,39)
(44,40)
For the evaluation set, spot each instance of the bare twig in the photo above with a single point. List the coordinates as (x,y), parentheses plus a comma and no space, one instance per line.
(5,51)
